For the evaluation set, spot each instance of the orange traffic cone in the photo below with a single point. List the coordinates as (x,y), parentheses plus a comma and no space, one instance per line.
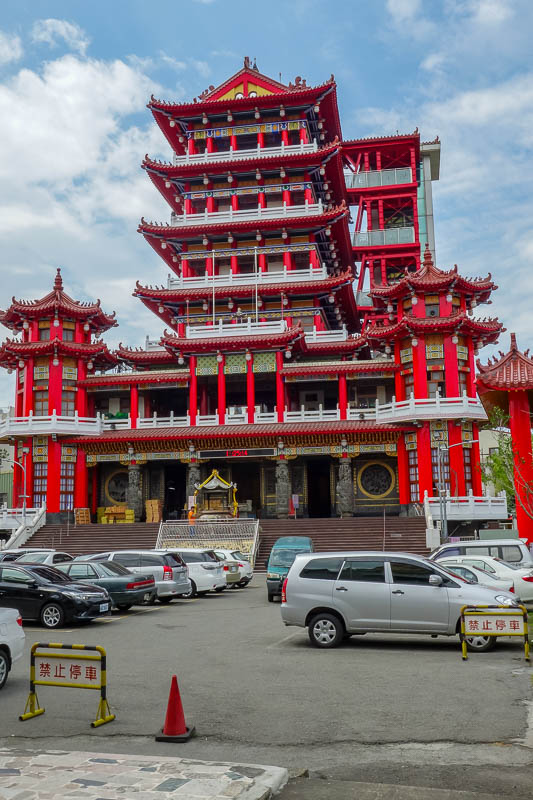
(175,729)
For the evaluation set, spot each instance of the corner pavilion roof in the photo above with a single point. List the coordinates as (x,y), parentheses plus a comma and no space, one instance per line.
(57,302)
(513,370)
(460,322)
(11,351)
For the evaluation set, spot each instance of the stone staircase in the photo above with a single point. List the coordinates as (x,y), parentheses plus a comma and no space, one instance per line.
(402,534)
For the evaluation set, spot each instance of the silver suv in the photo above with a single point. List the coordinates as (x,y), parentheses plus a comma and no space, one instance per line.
(336,595)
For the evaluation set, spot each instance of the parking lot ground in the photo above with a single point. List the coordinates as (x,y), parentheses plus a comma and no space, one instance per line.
(381,709)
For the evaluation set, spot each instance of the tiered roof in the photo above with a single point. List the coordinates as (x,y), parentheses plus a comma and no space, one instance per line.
(57,303)
(11,351)
(512,371)
(487,330)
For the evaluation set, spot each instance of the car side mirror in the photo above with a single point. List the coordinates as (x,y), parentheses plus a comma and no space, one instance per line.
(435,580)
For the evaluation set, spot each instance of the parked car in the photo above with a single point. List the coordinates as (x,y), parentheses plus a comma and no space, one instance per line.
(514,551)
(245,568)
(521,577)
(11,641)
(125,588)
(12,555)
(45,557)
(231,570)
(206,573)
(43,593)
(170,573)
(476,575)
(336,595)
(282,555)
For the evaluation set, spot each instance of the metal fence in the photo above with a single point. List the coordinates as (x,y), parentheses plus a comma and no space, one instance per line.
(238,534)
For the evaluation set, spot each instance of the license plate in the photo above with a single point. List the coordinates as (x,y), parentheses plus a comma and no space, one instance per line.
(104,607)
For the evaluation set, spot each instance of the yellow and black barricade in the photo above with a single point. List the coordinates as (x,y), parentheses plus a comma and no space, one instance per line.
(86,670)
(494,621)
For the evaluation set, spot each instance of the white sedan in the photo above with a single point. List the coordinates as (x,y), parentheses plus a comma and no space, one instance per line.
(11,641)
(244,565)
(522,577)
(476,574)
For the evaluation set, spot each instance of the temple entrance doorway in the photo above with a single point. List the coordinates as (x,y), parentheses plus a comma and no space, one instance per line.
(175,488)
(246,475)
(318,487)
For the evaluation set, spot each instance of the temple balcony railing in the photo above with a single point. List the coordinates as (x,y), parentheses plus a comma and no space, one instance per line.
(404,234)
(221,329)
(33,425)
(247,214)
(317,336)
(252,153)
(421,408)
(119,423)
(249,278)
(379,177)
(470,507)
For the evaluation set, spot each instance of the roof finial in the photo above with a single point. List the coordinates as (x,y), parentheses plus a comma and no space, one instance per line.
(58,282)
(254,65)
(428,260)
(246,62)
(514,346)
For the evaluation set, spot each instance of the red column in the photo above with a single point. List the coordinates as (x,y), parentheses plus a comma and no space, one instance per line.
(262,262)
(261,199)
(81,481)
(27,391)
(147,405)
(134,404)
(81,391)
(55,384)
(209,144)
(477,484)
(399,388)
(94,488)
(280,391)
(343,397)
(18,395)
(27,460)
(234,261)
(403,472)
(250,389)
(471,382)
(54,476)
(425,474)
(235,202)
(193,391)
(221,392)
(204,411)
(285,136)
(457,463)
(420,368)
(451,368)
(286,197)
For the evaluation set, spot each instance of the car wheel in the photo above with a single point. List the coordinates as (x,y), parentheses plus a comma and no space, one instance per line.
(190,593)
(326,630)
(4,667)
(220,589)
(242,584)
(480,644)
(124,606)
(165,600)
(52,615)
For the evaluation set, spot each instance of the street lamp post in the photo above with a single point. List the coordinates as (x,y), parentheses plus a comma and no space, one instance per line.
(25,451)
(443,494)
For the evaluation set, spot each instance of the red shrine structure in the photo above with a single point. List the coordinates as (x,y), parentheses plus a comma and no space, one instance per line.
(310,349)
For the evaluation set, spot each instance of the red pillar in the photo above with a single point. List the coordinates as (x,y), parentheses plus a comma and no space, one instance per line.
(221,392)
(451,368)
(477,483)
(425,474)
(204,410)
(419,368)
(193,391)
(280,391)
(399,387)
(27,460)
(55,383)
(27,391)
(457,462)
(54,476)
(81,481)
(471,383)
(94,488)
(343,397)
(134,404)
(250,389)
(81,391)
(403,472)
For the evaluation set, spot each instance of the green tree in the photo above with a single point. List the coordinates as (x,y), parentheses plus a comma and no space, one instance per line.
(499,468)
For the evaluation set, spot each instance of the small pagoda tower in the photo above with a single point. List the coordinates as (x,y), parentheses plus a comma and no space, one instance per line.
(425,320)
(57,348)
(507,383)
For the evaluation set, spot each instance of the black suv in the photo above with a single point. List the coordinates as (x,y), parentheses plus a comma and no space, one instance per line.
(48,595)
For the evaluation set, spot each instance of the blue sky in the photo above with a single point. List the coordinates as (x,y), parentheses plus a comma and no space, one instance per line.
(75,78)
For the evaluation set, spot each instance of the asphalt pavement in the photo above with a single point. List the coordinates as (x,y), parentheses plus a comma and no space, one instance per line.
(381,710)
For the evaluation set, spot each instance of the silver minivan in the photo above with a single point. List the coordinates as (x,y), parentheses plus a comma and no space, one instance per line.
(169,570)
(336,595)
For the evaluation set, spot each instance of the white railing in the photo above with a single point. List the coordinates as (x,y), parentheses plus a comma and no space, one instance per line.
(470,507)
(116,424)
(401,235)
(242,215)
(381,177)
(430,408)
(312,415)
(35,519)
(153,344)
(235,329)
(207,419)
(235,534)
(327,336)
(164,422)
(51,423)
(262,417)
(249,278)
(254,152)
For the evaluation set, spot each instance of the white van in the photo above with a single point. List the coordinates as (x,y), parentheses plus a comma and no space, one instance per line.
(514,551)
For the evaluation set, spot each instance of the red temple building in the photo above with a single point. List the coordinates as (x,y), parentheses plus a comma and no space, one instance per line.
(310,348)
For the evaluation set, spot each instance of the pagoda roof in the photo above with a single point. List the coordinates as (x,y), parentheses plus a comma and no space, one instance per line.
(252,341)
(56,302)
(288,432)
(338,367)
(341,347)
(430,278)
(11,351)
(513,370)
(392,138)
(458,322)
(128,378)
(138,356)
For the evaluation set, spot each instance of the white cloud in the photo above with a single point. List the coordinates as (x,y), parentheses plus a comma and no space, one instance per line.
(491,12)
(403,10)
(10,48)
(48,31)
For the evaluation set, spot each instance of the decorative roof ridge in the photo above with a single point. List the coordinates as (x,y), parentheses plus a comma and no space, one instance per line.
(494,364)
(384,136)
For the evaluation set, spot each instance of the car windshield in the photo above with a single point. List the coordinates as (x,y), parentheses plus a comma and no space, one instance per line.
(51,575)
(193,558)
(239,556)
(33,558)
(173,559)
(284,558)
(113,569)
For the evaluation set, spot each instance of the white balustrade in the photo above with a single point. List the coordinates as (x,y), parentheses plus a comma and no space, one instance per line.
(116,424)
(207,419)
(249,278)
(164,422)
(437,407)
(319,414)
(252,153)
(401,235)
(24,525)
(481,507)
(245,214)
(263,417)
(327,336)
(235,329)
(381,177)
(51,423)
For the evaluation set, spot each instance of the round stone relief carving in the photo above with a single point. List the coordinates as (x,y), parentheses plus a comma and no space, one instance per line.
(116,487)
(376,480)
